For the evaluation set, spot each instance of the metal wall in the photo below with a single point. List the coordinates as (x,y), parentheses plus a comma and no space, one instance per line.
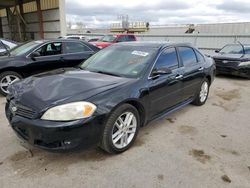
(207,43)
(53,20)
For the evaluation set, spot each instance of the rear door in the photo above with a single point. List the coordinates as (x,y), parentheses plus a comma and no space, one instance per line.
(75,53)
(192,71)
(165,90)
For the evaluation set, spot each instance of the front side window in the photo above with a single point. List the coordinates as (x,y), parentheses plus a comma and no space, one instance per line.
(187,56)
(167,59)
(75,47)
(125,61)
(54,48)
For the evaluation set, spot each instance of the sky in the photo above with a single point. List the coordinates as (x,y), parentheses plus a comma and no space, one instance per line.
(101,13)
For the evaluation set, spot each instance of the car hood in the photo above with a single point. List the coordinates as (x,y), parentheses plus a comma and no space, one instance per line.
(62,86)
(232,56)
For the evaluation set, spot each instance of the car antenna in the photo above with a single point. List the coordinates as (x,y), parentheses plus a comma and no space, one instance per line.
(5,48)
(242,46)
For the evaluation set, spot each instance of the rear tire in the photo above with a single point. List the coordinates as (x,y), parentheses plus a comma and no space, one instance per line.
(121,129)
(202,95)
(6,79)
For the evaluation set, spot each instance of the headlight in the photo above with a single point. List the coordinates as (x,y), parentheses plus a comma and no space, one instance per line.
(244,63)
(70,111)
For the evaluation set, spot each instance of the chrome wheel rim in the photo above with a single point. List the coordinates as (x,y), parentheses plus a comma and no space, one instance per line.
(7,81)
(124,130)
(204,91)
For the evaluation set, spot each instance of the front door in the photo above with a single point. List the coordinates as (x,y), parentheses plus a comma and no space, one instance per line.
(165,90)
(50,57)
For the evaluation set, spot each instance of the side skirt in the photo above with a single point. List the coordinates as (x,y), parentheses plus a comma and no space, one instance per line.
(171,110)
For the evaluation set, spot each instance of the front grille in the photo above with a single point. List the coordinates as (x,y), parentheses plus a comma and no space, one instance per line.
(229,63)
(224,69)
(20,110)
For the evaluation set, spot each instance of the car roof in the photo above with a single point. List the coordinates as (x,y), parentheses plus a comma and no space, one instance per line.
(153,44)
(120,34)
(59,40)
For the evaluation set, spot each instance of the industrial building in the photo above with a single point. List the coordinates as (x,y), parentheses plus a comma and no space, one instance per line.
(22,20)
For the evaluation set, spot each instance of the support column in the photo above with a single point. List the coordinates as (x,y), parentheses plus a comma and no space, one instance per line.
(40,18)
(20,3)
(62,17)
(1,28)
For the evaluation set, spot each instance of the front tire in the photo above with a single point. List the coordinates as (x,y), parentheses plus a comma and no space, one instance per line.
(121,129)
(6,79)
(202,95)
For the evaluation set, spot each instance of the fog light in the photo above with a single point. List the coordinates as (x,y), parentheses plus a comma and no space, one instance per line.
(67,142)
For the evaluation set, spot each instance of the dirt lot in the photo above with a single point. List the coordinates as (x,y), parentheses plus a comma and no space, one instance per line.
(206,146)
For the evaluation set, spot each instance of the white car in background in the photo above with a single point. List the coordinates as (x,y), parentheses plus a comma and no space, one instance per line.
(78,37)
(6,44)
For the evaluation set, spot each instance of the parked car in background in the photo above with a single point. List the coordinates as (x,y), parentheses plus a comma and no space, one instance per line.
(39,56)
(107,40)
(93,39)
(78,37)
(233,59)
(111,95)
(6,45)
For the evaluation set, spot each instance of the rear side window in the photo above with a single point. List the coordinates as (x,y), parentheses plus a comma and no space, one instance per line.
(122,39)
(167,59)
(75,47)
(131,38)
(200,57)
(247,49)
(187,56)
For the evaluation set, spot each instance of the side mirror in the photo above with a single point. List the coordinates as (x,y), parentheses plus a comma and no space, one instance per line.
(34,55)
(161,71)
(217,51)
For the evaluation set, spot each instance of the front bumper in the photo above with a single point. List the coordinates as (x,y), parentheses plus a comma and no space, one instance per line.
(57,136)
(236,71)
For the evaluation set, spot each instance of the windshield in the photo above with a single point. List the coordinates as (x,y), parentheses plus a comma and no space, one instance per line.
(107,38)
(24,48)
(125,61)
(232,49)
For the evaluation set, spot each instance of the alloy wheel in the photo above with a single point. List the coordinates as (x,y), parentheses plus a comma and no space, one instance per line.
(124,130)
(7,81)
(204,91)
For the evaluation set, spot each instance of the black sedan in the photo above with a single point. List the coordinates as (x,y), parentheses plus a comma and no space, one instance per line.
(39,56)
(233,59)
(107,100)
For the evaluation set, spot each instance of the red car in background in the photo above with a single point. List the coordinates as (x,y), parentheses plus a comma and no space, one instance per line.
(107,40)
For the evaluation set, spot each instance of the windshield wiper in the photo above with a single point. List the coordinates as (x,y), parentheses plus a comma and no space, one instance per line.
(108,73)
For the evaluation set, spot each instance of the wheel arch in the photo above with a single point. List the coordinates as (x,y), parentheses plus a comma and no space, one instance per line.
(139,107)
(13,69)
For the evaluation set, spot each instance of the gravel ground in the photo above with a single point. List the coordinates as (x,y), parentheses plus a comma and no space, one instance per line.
(204,146)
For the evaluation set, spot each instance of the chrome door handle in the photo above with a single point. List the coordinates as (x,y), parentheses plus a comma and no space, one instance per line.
(201,69)
(178,76)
